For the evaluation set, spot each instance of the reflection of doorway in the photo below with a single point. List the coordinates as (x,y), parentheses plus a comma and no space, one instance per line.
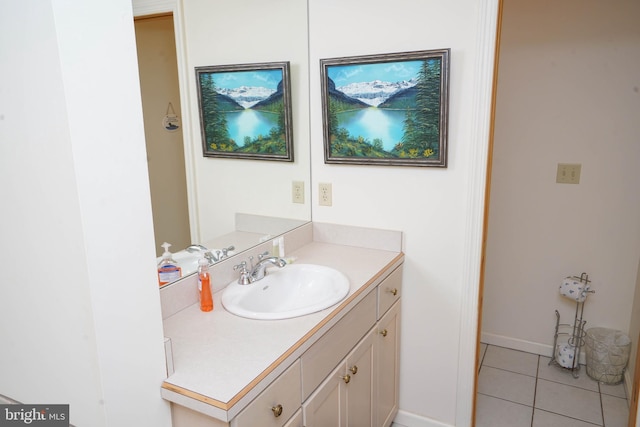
(157,62)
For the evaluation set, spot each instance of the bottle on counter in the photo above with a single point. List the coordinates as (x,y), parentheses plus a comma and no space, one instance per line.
(168,268)
(204,285)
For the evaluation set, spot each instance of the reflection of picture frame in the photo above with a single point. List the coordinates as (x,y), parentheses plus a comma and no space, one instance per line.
(245,111)
(386,109)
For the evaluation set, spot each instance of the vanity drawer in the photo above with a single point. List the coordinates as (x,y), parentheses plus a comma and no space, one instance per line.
(296,420)
(276,404)
(325,354)
(389,291)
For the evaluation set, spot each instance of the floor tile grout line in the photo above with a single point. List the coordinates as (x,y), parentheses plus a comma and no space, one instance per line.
(570,385)
(509,370)
(568,416)
(506,400)
(535,391)
(601,405)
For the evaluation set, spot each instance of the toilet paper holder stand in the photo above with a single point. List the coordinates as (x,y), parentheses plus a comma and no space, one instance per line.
(566,354)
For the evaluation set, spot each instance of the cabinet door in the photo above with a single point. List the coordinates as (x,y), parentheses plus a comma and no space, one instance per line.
(361,373)
(388,346)
(327,405)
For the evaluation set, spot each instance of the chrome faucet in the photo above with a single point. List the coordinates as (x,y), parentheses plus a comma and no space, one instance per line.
(195,248)
(258,271)
(212,257)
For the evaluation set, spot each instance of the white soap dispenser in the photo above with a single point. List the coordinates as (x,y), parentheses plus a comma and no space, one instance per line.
(168,268)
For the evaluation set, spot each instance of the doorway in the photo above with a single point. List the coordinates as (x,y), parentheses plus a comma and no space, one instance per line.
(570,94)
(157,62)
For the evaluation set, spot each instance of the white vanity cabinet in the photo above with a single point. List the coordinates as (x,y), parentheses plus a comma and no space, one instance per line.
(387,364)
(296,420)
(274,406)
(340,370)
(363,389)
(346,396)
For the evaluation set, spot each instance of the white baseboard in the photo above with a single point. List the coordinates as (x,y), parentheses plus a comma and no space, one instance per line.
(522,345)
(407,419)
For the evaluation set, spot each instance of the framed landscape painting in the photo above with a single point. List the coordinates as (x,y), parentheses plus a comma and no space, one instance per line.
(386,109)
(245,111)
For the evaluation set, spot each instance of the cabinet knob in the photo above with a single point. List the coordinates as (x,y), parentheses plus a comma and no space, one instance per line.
(346,378)
(354,369)
(277,410)
(393,292)
(384,332)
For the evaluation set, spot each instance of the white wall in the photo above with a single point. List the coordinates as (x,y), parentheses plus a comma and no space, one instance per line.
(435,208)
(79,308)
(568,92)
(243,32)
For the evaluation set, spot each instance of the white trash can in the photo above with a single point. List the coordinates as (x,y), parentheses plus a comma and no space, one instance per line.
(607,352)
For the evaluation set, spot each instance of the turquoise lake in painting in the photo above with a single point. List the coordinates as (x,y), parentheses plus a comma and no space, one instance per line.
(371,123)
(249,123)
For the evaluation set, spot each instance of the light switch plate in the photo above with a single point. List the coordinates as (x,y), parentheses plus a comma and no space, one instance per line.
(568,173)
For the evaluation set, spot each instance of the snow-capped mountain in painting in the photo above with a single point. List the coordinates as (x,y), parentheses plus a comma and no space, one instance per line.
(247,96)
(375,92)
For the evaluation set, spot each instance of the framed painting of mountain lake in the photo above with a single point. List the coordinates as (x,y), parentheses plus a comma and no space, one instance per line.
(245,111)
(386,109)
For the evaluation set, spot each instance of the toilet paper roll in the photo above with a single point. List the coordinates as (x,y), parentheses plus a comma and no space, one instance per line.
(574,289)
(564,355)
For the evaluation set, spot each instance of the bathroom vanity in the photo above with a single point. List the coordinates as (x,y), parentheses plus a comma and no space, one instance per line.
(328,368)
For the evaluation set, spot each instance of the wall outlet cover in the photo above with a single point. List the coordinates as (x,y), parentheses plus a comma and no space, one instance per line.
(325,194)
(297,192)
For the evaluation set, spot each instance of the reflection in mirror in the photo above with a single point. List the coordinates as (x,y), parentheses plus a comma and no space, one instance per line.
(251,230)
(159,89)
(198,203)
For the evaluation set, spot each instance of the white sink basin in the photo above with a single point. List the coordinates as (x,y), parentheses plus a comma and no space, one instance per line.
(187,261)
(291,291)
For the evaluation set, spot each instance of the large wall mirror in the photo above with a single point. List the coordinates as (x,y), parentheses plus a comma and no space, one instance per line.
(218,202)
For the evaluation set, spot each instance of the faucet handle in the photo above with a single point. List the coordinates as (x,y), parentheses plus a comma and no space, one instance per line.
(262,255)
(225,251)
(244,278)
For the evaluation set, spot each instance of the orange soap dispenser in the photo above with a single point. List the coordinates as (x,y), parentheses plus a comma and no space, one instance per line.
(204,284)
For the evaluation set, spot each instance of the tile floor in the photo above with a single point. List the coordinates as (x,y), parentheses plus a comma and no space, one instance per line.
(518,389)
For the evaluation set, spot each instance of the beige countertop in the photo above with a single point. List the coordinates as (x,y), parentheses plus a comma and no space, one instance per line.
(222,361)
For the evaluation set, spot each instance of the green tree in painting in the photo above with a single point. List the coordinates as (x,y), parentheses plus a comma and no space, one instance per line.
(422,125)
(215,129)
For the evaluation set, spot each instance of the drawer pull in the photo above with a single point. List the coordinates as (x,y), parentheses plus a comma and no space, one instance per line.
(354,369)
(277,410)
(384,332)
(393,292)
(346,378)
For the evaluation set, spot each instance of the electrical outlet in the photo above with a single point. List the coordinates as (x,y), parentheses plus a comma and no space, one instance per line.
(568,173)
(297,192)
(325,194)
